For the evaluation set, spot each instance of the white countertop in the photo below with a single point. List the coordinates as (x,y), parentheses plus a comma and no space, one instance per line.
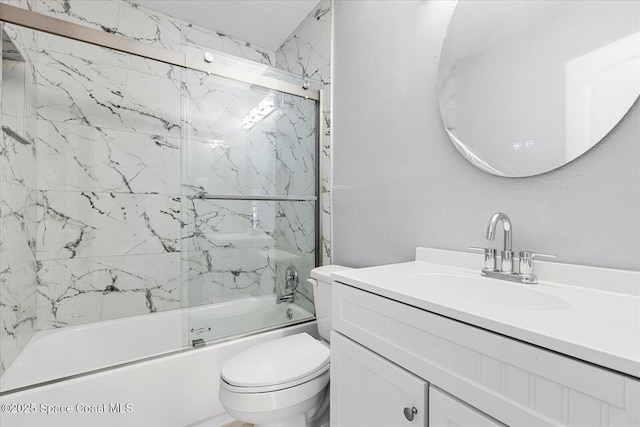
(595,318)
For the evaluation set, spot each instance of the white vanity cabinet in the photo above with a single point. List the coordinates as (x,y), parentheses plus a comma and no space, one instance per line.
(369,391)
(385,353)
(446,411)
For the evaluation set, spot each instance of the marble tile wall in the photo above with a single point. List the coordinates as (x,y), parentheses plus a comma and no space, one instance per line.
(199,38)
(118,149)
(224,158)
(18,267)
(109,140)
(227,257)
(307,52)
(275,157)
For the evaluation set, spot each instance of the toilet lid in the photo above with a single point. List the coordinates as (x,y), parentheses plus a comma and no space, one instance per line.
(275,362)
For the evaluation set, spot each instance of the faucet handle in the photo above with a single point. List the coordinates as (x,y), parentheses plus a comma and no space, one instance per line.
(526,265)
(490,255)
(532,255)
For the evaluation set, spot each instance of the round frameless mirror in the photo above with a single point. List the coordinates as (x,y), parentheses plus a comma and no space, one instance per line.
(527,86)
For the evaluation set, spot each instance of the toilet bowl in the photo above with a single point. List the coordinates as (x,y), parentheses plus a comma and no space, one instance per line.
(284,382)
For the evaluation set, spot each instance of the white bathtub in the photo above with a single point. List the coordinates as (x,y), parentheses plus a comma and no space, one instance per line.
(177,389)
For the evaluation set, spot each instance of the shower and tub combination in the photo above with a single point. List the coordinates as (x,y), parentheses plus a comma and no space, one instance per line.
(160,213)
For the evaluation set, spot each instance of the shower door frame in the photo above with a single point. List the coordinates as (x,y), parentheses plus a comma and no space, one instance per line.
(36,21)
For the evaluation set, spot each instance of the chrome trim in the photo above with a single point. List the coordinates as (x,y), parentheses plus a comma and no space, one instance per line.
(260,331)
(198,343)
(502,275)
(506,255)
(525,259)
(506,225)
(59,27)
(221,70)
(319,164)
(490,256)
(15,135)
(254,198)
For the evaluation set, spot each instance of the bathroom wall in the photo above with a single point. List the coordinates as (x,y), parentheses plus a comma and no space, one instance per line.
(307,53)
(17,194)
(111,222)
(399,183)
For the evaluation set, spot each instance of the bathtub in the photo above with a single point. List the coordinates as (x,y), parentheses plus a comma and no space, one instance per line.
(178,388)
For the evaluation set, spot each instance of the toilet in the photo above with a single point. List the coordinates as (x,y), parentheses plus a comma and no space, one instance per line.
(284,382)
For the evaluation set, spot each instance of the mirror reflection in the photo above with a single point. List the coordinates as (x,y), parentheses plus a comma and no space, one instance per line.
(527,86)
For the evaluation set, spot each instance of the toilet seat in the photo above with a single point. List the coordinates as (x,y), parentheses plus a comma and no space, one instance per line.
(276,365)
(274,387)
(258,408)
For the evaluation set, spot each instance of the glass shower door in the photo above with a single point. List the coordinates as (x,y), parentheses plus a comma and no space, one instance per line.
(249,207)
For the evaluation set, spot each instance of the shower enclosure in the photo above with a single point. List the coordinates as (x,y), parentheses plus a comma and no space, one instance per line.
(168,198)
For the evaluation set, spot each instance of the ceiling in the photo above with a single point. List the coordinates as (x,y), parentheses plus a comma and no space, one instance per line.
(263,23)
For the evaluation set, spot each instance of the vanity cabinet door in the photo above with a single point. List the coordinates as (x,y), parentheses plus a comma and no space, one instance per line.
(370,391)
(446,411)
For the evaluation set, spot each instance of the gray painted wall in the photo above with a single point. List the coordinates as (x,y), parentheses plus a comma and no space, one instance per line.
(399,183)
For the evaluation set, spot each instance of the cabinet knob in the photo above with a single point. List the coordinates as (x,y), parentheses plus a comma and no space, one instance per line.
(409,413)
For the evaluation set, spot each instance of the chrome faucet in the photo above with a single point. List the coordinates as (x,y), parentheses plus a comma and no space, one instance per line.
(291,283)
(506,264)
(286,298)
(506,270)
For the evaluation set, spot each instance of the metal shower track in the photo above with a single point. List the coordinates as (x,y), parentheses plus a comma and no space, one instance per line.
(59,27)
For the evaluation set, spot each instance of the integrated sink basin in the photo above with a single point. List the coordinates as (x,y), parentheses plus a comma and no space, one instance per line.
(588,313)
(482,290)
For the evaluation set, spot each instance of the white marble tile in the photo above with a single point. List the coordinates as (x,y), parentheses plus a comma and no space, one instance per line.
(295,242)
(17,199)
(308,50)
(295,143)
(19,3)
(214,224)
(325,153)
(216,106)
(13,94)
(92,53)
(295,227)
(76,291)
(84,224)
(17,309)
(227,167)
(23,39)
(224,158)
(17,160)
(86,158)
(10,50)
(17,224)
(325,218)
(223,274)
(117,17)
(74,90)
(199,37)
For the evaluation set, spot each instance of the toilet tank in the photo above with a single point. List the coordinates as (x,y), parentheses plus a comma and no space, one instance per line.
(321,281)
